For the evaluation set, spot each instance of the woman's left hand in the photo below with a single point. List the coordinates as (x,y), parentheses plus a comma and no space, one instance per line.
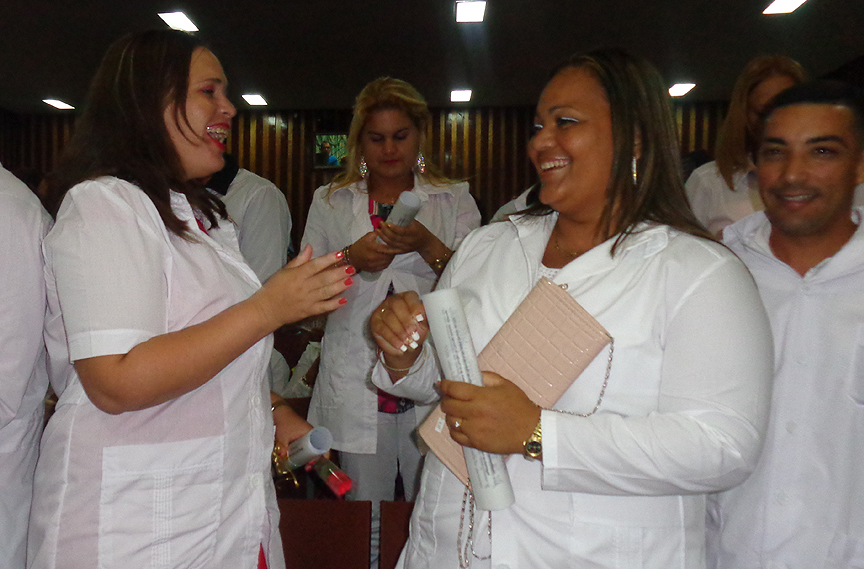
(415,237)
(496,418)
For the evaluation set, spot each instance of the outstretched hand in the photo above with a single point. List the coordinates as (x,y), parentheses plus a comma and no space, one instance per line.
(304,287)
(497,417)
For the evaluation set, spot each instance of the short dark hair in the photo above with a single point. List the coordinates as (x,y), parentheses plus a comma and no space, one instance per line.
(640,108)
(122,131)
(824,92)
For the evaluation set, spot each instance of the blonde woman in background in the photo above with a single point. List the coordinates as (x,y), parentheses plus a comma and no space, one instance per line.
(724,191)
(386,156)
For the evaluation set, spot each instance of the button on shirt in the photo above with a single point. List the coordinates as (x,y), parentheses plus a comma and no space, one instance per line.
(803,507)
(180,484)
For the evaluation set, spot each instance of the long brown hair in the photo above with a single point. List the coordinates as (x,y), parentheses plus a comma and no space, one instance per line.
(122,132)
(388,93)
(640,110)
(735,142)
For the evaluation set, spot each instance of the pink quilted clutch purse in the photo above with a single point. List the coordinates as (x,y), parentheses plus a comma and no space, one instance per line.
(542,348)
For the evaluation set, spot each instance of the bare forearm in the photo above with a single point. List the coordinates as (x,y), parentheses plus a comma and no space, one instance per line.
(170,365)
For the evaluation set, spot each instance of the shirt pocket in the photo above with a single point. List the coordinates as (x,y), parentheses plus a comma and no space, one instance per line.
(856,372)
(160,504)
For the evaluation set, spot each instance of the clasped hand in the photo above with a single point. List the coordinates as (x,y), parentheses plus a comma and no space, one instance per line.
(414,237)
(496,418)
(399,327)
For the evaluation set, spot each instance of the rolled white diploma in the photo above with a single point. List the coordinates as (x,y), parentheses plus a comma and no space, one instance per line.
(308,447)
(404,211)
(449,329)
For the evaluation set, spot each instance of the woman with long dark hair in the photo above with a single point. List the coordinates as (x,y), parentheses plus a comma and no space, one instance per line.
(159,334)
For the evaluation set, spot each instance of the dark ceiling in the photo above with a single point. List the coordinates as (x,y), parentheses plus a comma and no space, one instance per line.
(305,54)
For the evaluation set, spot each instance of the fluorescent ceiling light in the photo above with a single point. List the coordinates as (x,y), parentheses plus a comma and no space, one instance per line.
(58,104)
(680,89)
(179,21)
(783,6)
(255,100)
(460,96)
(470,11)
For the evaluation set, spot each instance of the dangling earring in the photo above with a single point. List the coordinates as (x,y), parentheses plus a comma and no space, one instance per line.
(421,163)
(635,174)
(363,168)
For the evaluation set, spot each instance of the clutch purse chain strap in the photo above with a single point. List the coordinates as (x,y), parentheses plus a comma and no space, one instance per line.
(466,551)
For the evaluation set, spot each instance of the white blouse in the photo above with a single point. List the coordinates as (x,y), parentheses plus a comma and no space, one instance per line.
(182,484)
(683,415)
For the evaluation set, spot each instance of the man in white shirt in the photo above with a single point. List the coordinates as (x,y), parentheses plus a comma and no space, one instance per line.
(260,212)
(23,374)
(803,507)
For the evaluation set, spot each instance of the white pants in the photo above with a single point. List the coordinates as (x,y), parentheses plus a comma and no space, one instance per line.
(374,475)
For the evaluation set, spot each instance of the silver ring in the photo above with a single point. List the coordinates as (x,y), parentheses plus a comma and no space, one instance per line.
(456,424)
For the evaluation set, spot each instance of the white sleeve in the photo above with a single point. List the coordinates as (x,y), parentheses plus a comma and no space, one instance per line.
(22,299)
(715,391)
(419,383)
(109,262)
(467,214)
(321,215)
(265,231)
(698,194)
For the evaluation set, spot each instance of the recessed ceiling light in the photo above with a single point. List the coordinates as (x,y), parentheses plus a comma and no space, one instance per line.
(58,104)
(680,89)
(783,6)
(470,11)
(460,96)
(178,21)
(255,100)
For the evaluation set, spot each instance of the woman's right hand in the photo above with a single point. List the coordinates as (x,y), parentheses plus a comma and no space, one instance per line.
(367,254)
(399,327)
(304,287)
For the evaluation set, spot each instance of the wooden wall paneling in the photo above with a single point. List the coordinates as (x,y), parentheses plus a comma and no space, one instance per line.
(485,146)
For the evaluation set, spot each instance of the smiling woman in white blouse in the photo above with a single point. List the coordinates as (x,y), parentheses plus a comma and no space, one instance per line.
(686,396)
(158,332)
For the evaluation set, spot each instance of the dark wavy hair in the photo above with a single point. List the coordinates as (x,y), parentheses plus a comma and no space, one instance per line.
(640,108)
(121,131)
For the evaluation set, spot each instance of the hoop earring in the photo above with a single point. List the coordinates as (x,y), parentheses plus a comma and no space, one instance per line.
(635,174)
(363,168)
(421,163)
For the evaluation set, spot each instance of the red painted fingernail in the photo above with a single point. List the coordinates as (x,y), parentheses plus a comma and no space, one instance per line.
(349,282)
(339,254)
(350,270)
(343,300)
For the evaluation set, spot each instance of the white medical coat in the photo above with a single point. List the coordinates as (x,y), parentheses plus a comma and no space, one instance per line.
(683,415)
(182,484)
(260,211)
(344,399)
(23,375)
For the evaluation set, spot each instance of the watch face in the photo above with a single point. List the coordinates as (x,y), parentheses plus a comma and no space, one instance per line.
(533,448)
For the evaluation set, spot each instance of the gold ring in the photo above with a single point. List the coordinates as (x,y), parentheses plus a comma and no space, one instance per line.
(382,310)
(456,424)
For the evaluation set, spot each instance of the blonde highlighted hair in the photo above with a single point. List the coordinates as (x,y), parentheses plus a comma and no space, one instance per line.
(387,93)
(735,143)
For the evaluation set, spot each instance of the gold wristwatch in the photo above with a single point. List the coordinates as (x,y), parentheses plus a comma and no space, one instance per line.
(532,449)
